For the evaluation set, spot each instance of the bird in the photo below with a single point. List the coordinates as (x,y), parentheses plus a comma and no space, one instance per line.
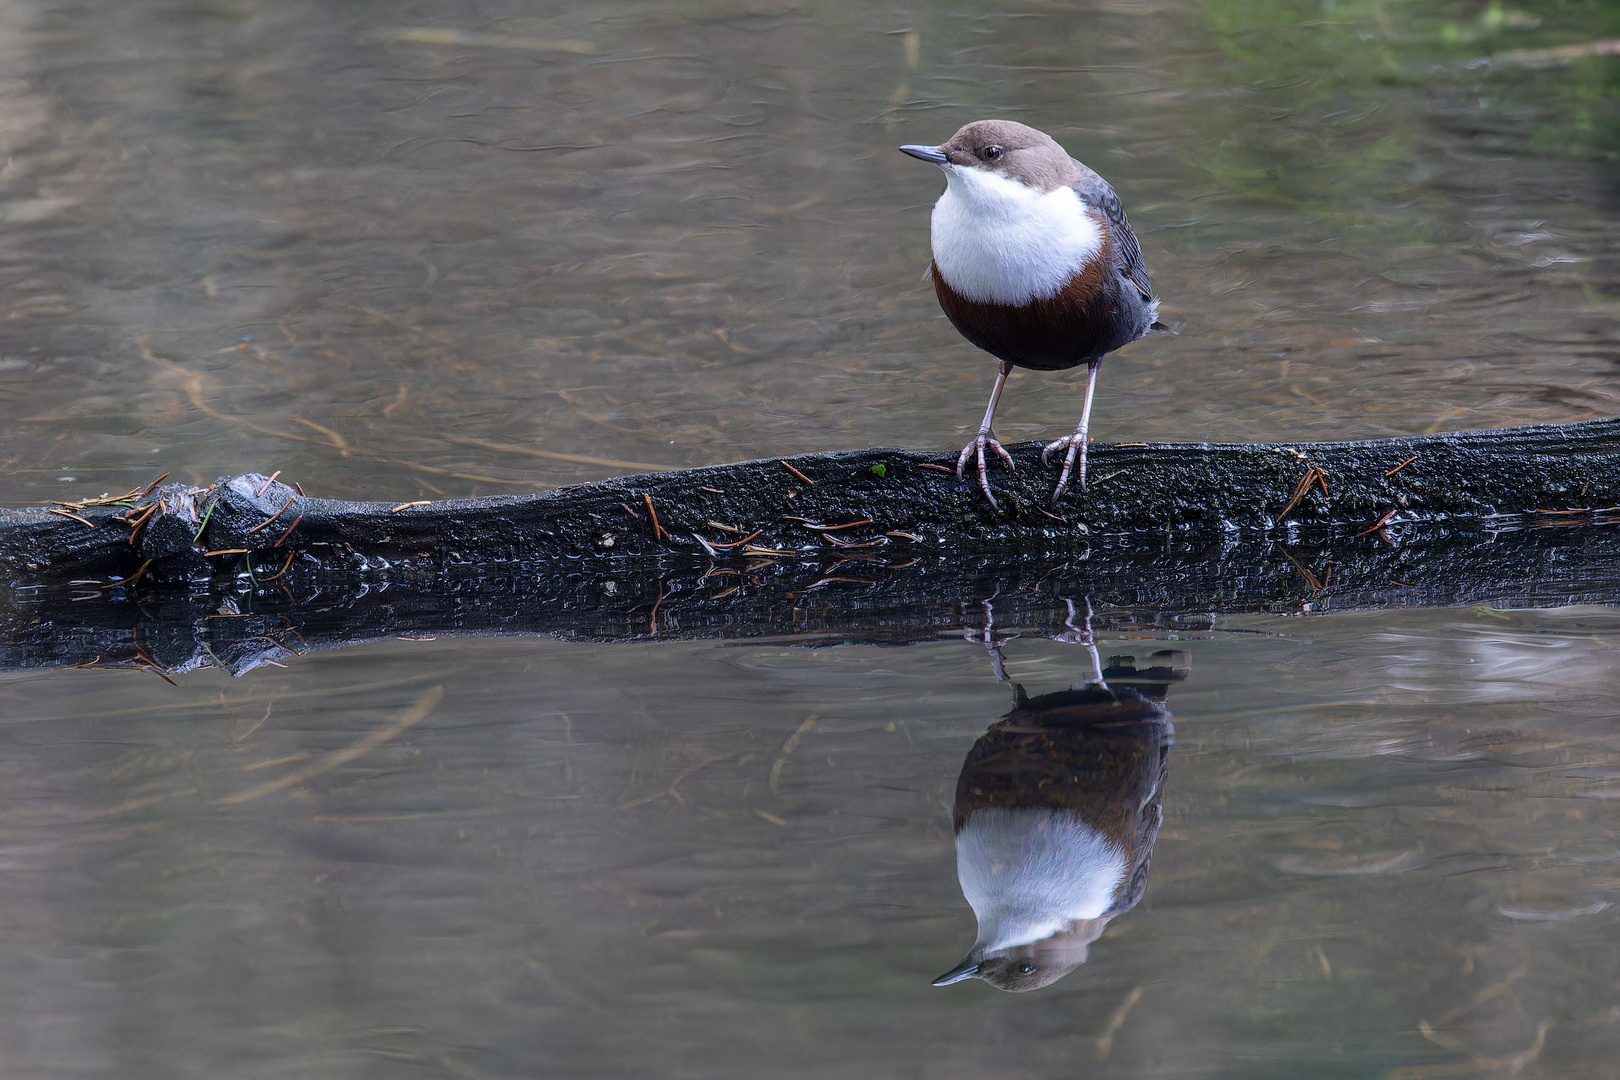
(1057,808)
(1036,264)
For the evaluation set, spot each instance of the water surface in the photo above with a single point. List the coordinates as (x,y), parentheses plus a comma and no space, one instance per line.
(1385,847)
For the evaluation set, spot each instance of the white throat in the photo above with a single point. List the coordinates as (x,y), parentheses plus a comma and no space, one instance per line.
(998,241)
(1030,873)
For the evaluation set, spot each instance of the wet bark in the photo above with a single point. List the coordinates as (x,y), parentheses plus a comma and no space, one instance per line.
(869,544)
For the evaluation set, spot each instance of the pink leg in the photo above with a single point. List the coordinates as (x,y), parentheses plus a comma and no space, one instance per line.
(1076,443)
(986,437)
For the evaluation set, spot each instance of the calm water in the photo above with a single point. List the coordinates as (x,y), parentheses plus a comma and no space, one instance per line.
(404,251)
(587,861)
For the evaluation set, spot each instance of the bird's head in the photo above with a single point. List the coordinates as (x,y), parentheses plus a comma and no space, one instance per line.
(1002,147)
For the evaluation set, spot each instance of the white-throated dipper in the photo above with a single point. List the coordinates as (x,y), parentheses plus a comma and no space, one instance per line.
(1036,264)
(1057,809)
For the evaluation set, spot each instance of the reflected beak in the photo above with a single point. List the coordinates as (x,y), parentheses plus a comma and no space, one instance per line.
(934,156)
(967,969)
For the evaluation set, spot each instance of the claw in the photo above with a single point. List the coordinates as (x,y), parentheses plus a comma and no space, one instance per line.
(976,448)
(1076,447)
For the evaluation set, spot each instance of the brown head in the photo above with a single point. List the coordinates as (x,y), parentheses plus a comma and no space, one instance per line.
(1005,146)
(1029,967)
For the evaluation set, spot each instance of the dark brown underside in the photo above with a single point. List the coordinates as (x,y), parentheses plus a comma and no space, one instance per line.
(1092,316)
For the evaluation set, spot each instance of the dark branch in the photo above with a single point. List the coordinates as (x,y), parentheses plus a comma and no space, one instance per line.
(871,543)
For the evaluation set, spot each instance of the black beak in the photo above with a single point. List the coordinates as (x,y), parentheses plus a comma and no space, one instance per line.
(930,154)
(967,969)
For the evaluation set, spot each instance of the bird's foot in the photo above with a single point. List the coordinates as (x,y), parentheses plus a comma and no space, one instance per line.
(1076,446)
(984,438)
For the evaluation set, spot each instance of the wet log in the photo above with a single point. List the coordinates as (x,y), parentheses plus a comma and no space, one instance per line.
(895,500)
(871,545)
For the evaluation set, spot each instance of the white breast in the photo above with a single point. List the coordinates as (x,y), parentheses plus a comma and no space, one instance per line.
(997,241)
(1032,872)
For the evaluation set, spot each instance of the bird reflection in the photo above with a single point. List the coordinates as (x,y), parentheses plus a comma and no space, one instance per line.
(1057,808)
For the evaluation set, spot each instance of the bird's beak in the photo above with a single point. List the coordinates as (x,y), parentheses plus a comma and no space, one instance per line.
(934,156)
(967,969)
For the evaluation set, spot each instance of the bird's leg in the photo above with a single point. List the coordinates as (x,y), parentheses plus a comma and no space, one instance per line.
(986,437)
(992,644)
(1081,635)
(1076,443)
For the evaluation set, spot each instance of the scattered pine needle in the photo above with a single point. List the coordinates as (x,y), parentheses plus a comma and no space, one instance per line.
(288,531)
(836,542)
(796,472)
(829,528)
(1401,466)
(273,516)
(659,532)
(734,543)
(283,569)
(652,618)
(135,526)
(68,514)
(266,486)
(407,506)
(1379,524)
(225,551)
(1313,476)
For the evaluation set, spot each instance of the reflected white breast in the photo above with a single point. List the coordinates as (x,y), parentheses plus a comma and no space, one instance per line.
(1031,872)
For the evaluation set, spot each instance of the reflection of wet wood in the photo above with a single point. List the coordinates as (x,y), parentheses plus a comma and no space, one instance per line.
(1153,681)
(871,543)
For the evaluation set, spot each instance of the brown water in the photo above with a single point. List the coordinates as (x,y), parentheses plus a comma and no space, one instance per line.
(396,250)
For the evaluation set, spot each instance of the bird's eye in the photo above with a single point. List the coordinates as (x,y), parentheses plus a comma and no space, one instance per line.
(1026,969)
(993,153)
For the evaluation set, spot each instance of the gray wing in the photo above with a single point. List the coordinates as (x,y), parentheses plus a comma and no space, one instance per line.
(1097,192)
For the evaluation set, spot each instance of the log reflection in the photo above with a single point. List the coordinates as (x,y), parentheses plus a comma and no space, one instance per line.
(1057,808)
